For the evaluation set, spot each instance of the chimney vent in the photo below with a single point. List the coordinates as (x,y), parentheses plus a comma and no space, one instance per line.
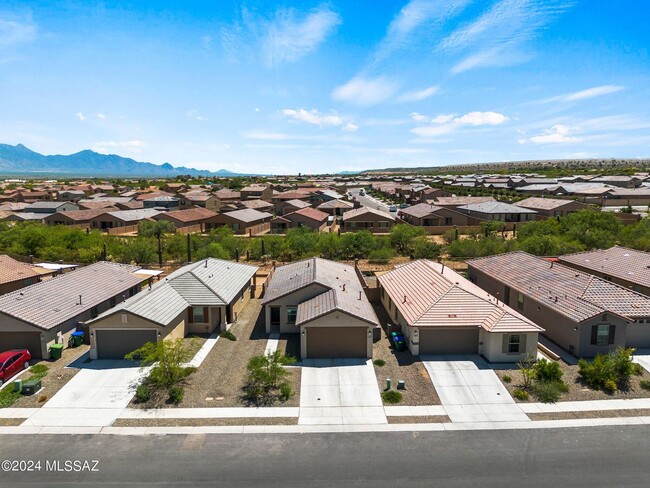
(360,294)
(79,299)
(404,299)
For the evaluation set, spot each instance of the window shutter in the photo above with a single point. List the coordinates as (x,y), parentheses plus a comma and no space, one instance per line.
(504,343)
(522,343)
(612,332)
(594,334)
(206,319)
(190,315)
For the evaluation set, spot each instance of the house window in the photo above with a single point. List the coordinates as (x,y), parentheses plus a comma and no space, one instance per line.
(602,335)
(448,221)
(514,341)
(27,282)
(520,301)
(291,315)
(198,315)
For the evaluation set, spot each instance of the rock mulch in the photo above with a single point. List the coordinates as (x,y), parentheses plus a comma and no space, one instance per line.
(425,419)
(205,422)
(591,414)
(10,422)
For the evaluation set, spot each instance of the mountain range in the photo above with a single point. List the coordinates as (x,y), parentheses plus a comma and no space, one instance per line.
(21,161)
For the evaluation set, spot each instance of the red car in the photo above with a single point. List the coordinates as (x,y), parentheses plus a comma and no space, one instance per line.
(11,362)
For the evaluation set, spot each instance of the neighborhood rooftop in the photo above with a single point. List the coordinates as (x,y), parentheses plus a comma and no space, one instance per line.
(577,295)
(12,270)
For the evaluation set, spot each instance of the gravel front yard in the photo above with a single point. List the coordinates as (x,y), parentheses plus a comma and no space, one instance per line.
(10,422)
(219,380)
(57,376)
(578,390)
(424,419)
(402,365)
(205,422)
(599,414)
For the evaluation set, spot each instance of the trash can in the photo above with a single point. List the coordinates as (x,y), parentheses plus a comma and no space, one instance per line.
(55,351)
(77,338)
(18,385)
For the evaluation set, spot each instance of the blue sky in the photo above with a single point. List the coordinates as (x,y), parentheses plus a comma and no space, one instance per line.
(327,86)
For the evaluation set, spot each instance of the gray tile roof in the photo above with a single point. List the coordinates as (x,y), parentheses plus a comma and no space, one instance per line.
(134,215)
(248,215)
(366,210)
(495,208)
(543,203)
(421,210)
(619,262)
(52,302)
(46,205)
(210,282)
(572,293)
(335,204)
(428,294)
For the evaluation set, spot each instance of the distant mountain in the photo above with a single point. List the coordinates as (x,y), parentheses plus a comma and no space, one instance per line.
(20,160)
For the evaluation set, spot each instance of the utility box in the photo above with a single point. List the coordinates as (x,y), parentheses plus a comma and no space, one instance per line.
(31,387)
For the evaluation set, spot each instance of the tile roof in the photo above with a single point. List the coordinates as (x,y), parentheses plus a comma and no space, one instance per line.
(311,213)
(457,201)
(188,215)
(12,270)
(81,215)
(543,203)
(134,215)
(255,204)
(299,203)
(572,293)
(248,215)
(365,210)
(336,204)
(495,208)
(429,294)
(421,210)
(46,205)
(619,262)
(340,283)
(226,193)
(50,303)
(209,282)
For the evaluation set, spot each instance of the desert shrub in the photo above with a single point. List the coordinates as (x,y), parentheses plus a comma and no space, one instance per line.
(507,379)
(286,391)
(142,394)
(548,371)
(645,384)
(42,399)
(176,394)
(527,368)
(611,371)
(379,362)
(381,256)
(391,396)
(226,334)
(521,395)
(548,391)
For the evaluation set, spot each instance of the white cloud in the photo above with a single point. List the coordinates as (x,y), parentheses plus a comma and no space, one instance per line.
(14,32)
(447,123)
(257,109)
(558,134)
(597,91)
(365,91)
(419,95)
(285,37)
(418,117)
(133,146)
(313,117)
(496,36)
(262,135)
(101,116)
(80,116)
(350,127)
(196,115)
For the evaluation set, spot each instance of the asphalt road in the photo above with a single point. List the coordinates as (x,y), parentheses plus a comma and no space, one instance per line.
(585,457)
(367,202)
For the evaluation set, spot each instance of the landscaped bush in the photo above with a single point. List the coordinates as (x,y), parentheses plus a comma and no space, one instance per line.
(507,379)
(548,371)
(549,391)
(39,370)
(265,379)
(521,395)
(226,334)
(391,396)
(379,362)
(381,256)
(645,384)
(286,391)
(142,394)
(609,372)
(176,394)
(8,396)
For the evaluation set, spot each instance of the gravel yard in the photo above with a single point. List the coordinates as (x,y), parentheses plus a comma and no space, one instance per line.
(57,376)
(402,366)
(204,422)
(596,414)
(219,380)
(416,419)
(577,389)
(10,422)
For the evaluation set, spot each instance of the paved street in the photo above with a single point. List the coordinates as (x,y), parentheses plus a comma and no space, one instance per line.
(367,201)
(589,458)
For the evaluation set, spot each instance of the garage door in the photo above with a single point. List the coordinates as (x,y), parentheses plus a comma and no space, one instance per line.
(337,342)
(22,340)
(449,341)
(115,344)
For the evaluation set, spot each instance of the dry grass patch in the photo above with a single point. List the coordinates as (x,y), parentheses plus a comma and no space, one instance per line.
(10,422)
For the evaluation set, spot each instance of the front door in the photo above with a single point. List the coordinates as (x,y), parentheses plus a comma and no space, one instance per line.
(275,319)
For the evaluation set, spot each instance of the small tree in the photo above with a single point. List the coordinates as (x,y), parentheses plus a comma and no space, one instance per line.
(167,358)
(528,371)
(266,373)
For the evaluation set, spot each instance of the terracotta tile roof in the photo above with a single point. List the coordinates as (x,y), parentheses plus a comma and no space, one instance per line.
(82,215)
(156,194)
(227,194)
(188,215)
(12,270)
(572,293)
(256,204)
(428,294)
(619,262)
(311,213)
(336,204)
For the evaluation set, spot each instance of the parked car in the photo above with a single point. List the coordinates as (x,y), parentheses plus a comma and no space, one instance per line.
(392,208)
(12,362)
(404,205)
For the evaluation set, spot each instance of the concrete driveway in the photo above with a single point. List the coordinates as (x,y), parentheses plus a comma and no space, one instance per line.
(339,392)
(642,357)
(95,396)
(470,390)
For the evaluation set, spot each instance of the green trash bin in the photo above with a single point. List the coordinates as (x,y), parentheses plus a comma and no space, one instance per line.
(55,351)
(18,385)
(77,338)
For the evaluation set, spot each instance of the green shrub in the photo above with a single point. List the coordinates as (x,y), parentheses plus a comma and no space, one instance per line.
(381,256)
(39,370)
(391,396)
(226,334)
(507,379)
(379,362)
(176,394)
(521,395)
(548,371)
(645,384)
(286,391)
(8,396)
(188,371)
(548,391)
(611,371)
(142,394)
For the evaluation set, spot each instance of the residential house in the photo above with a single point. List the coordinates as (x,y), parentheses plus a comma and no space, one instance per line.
(430,215)
(581,313)
(498,211)
(174,187)
(186,218)
(428,194)
(200,199)
(455,202)
(15,275)
(325,303)
(199,298)
(122,218)
(259,205)
(619,181)
(162,201)
(440,312)
(365,218)
(247,221)
(551,207)
(257,192)
(50,207)
(154,194)
(307,217)
(46,313)
(282,207)
(627,267)
(71,195)
(225,195)
(335,208)
(77,217)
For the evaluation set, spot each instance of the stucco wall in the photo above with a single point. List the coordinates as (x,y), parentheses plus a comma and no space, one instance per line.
(293,299)
(492,347)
